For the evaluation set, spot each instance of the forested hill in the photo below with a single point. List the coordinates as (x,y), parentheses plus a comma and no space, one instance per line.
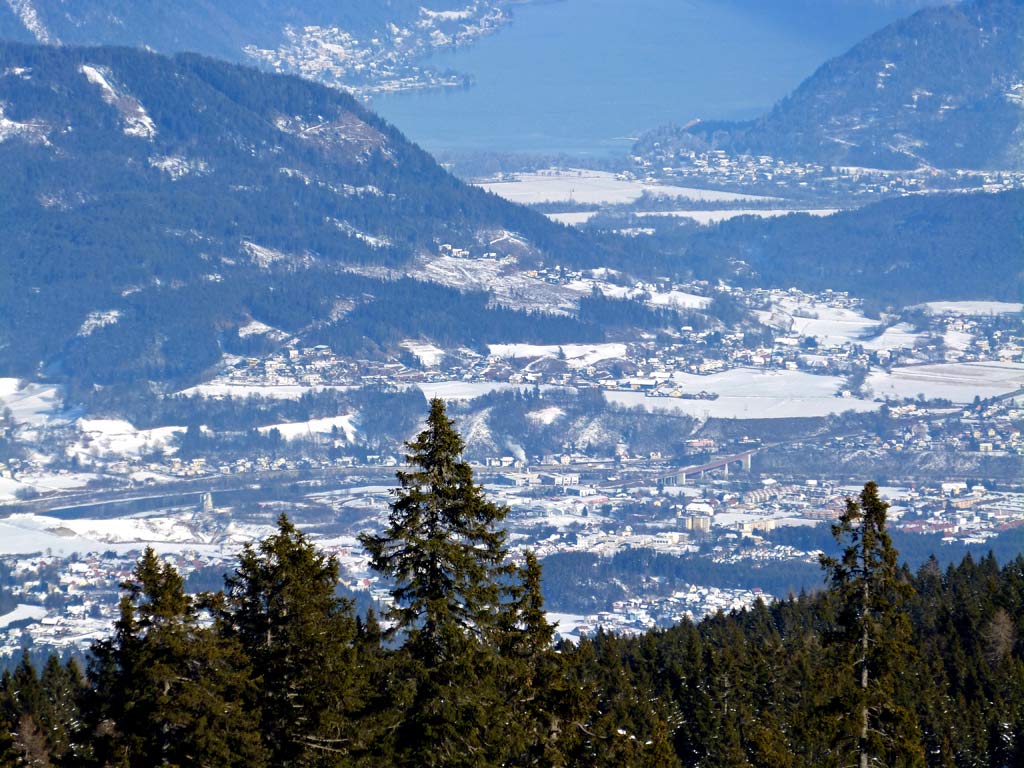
(942,88)
(896,252)
(150,206)
(221,29)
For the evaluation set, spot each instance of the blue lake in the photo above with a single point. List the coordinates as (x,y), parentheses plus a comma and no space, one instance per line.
(585,77)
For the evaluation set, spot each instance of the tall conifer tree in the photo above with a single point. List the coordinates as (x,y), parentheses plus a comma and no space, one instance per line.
(282,605)
(442,546)
(872,637)
(454,604)
(167,690)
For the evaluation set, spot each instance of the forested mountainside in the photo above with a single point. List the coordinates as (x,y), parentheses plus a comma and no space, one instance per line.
(152,206)
(896,252)
(905,669)
(358,42)
(943,87)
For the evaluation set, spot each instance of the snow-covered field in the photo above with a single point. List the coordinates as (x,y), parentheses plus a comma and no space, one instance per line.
(745,393)
(117,437)
(834,326)
(428,354)
(33,404)
(468,390)
(678,300)
(897,336)
(974,307)
(21,613)
(25,533)
(572,218)
(956,343)
(577,218)
(460,390)
(42,482)
(959,382)
(645,292)
(576,355)
(584,186)
(322,427)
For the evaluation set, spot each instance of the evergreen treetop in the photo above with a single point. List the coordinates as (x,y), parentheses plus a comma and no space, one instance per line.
(442,546)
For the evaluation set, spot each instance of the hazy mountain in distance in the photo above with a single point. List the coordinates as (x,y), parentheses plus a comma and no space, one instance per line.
(363,43)
(943,88)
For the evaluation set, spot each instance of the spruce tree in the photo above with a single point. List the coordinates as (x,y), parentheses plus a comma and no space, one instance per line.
(166,689)
(455,607)
(872,636)
(281,605)
(441,547)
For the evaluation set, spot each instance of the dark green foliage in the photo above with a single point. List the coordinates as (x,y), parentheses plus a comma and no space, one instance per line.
(447,558)
(442,545)
(604,311)
(871,637)
(167,690)
(280,606)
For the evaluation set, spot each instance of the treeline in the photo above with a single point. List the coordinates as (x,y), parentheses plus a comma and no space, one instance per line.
(275,669)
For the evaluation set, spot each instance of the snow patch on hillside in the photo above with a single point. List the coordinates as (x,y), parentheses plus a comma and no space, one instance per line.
(96,320)
(28,16)
(477,432)
(345,131)
(137,121)
(374,241)
(546,416)
(256,328)
(178,167)
(262,257)
(34,132)
(30,404)
(509,286)
(22,613)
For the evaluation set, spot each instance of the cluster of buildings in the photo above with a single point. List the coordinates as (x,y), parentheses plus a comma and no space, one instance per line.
(765,174)
(67,602)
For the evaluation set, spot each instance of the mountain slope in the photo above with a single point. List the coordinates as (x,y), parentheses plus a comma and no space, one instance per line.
(152,206)
(942,88)
(356,43)
(896,252)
